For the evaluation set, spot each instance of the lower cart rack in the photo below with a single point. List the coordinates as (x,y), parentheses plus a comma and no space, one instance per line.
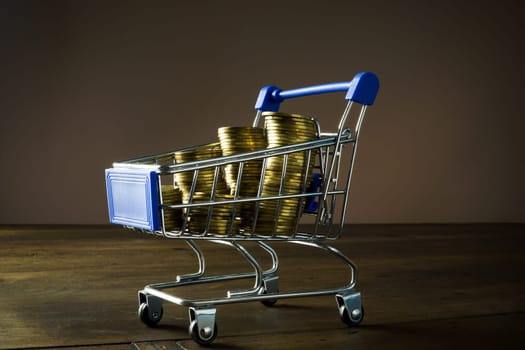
(203,328)
(228,195)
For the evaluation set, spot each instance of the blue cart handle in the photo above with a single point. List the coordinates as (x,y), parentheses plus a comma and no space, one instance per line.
(362,89)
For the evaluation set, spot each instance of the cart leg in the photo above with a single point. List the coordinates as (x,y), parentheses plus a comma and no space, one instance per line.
(202,264)
(150,309)
(270,279)
(258,285)
(273,255)
(350,308)
(203,328)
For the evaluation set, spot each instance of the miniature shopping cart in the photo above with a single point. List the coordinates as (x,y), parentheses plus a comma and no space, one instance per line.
(136,201)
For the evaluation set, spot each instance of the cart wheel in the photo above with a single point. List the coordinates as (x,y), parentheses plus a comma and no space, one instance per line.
(269,302)
(146,318)
(353,318)
(205,337)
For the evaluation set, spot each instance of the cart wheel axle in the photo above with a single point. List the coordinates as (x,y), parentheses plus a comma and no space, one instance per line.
(350,308)
(149,318)
(353,318)
(203,328)
(204,336)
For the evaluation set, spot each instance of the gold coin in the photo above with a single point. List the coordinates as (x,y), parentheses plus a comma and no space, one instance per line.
(300,129)
(240,129)
(287,139)
(285,115)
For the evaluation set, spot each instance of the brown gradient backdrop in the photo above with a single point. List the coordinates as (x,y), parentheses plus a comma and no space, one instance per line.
(87,83)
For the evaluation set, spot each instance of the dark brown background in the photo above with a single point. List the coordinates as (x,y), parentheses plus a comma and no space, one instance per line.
(83,84)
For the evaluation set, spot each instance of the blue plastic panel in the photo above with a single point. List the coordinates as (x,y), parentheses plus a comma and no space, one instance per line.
(133,198)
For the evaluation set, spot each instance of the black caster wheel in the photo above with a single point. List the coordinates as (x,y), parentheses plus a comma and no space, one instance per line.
(146,318)
(206,336)
(269,302)
(353,318)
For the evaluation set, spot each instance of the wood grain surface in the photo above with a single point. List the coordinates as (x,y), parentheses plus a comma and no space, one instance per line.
(423,286)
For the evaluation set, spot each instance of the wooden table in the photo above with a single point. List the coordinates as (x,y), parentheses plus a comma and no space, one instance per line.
(423,287)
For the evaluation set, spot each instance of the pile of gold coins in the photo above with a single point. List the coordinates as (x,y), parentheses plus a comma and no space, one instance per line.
(172,217)
(205,177)
(277,216)
(198,216)
(241,139)
(280,216)
(221,217)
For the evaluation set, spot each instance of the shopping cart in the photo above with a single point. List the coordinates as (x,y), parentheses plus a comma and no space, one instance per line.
(136,201)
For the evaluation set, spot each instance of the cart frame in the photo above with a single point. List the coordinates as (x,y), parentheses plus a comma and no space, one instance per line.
(135,201)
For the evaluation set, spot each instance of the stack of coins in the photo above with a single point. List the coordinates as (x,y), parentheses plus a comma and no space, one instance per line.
(172,217)
(165,159)
(198,216)
(221,216)
(241,139)
(205,179)
(280,216)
